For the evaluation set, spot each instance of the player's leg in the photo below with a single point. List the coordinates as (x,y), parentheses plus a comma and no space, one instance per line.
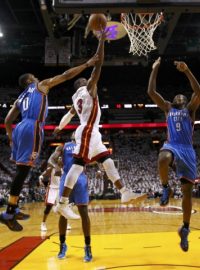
(8,217)
(47,210)
(83,211)
(64,207)
(62,237)
(50,200)
(186,187)
(113,175)
(80,197)
(165,159)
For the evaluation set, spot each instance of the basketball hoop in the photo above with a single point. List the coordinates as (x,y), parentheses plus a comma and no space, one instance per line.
(140,28)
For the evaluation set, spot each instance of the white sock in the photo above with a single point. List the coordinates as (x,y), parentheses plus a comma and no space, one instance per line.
(64,199)
(122,190)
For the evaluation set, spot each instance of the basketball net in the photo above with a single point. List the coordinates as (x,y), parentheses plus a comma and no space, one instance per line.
(140,28)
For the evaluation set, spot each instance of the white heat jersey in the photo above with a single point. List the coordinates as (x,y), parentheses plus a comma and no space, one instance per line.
(86,107)
(54,180)
(89,145)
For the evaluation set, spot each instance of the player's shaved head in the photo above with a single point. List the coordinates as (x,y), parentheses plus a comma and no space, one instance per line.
(80,82)
(26,79)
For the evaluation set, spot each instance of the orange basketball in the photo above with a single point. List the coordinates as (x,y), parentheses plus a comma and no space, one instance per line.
(97,22)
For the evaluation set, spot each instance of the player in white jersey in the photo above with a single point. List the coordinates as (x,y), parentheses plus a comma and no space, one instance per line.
(89,146)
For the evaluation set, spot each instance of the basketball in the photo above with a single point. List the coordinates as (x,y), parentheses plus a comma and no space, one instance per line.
(97,22)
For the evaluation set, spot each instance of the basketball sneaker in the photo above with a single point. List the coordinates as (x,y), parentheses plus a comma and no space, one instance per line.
(128,196)
(183,233)
(65,209)
(88,254)
(167,192)
(62,252)
(22,216)
(12,223)
(43,226)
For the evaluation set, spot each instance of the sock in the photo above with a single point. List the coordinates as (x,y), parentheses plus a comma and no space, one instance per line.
(186,225)
(87,240)
(10,211)
(17,210)
(62,238)
(122,190)
(7,216)
(64,200)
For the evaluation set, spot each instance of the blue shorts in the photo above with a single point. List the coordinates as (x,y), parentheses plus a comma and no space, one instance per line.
(184,160)
(79,194)
(27,140)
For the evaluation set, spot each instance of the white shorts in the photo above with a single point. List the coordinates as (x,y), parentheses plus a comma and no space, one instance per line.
(89,144)
(51,195)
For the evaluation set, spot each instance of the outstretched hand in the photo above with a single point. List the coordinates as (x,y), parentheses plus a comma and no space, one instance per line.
(103,34)
(156,63)
(181,66)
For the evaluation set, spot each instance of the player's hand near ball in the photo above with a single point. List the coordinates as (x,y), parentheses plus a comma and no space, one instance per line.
(181,66)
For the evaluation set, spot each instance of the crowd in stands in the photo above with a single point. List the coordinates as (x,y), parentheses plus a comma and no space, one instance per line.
(135,156)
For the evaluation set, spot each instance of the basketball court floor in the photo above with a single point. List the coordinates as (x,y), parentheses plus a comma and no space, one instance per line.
(142,236)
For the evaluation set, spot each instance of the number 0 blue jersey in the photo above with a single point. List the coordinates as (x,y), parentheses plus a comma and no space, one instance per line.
(33,104)
(180,127)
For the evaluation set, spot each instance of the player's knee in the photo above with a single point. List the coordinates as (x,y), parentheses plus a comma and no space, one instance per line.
(111,170)
(165,157)
(83,211)
(72,176)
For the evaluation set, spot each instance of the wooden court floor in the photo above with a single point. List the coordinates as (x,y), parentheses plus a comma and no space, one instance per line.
(141,236)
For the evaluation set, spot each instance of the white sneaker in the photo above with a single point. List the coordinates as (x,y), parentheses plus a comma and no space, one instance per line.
(43,226)
(65,210)
(69,227)
(128,196)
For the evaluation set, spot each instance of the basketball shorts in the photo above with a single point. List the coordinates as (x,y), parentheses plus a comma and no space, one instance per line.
(184,160)
(27,139)
(79,194)
(89,144)
(51,195)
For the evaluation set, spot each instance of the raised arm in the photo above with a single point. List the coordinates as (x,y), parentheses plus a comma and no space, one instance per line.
(45,85)
(65,120)
(194,103)
(92,82)
(154,95)
(10,118)
(182,67)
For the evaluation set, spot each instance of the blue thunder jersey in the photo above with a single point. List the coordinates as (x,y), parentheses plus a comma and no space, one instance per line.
(33,104)
(68,150)
(28,134)
(180,127)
